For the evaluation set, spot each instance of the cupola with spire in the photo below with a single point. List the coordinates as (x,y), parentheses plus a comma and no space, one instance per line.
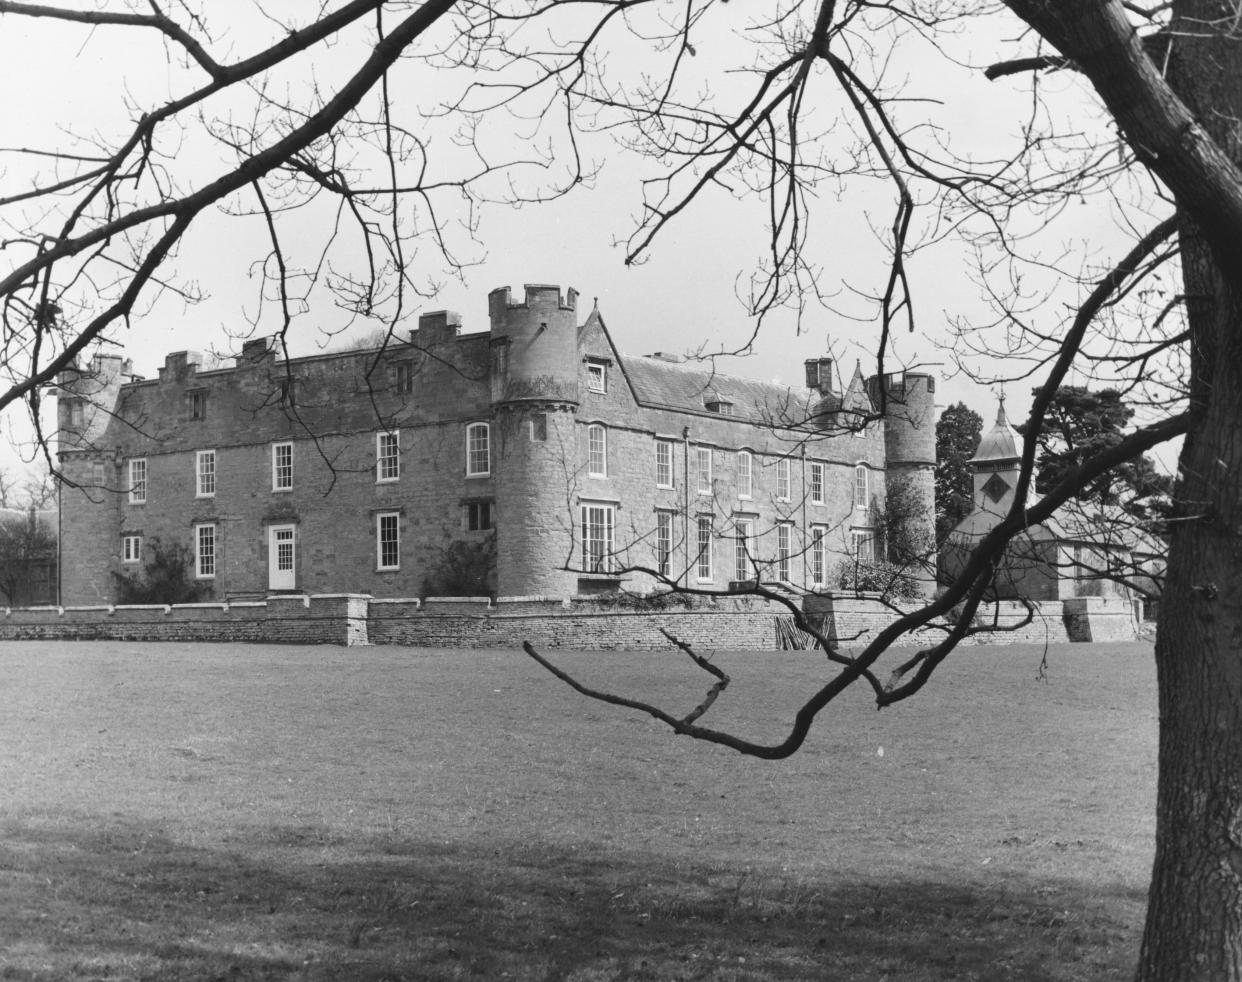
(996,464)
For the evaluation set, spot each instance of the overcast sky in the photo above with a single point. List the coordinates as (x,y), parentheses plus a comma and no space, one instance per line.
(682,299)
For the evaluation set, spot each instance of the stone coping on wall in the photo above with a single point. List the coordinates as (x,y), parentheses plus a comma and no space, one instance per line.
(722,621)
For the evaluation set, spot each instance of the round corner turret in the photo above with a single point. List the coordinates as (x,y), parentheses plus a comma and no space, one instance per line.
(535,345)
(908,402)
(535,364)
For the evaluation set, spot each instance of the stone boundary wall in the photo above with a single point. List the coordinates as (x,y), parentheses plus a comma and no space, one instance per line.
(1013,622)
(1100,619)
(583,623)
(586,624)
(315,619)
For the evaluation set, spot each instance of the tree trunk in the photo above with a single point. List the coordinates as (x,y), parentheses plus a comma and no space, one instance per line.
(1194,917)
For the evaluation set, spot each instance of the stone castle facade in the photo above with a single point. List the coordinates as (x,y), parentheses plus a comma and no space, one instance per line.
(532,459)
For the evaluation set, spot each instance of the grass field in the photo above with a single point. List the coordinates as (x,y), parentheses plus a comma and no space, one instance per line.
(181,812)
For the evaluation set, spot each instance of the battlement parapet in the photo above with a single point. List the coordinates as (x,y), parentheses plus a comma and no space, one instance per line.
(537,295)
(900,386)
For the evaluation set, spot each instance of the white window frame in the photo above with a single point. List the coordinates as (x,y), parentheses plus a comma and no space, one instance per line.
(387,457)
(597,376)
(745,474)
(392,521)
(744,567)
(205,474)
(597,450)
(703,479)
(664,543)
(817,483)
(783,478)
(131,548)
(478,452)
(138,480)
(206,551)
(599,523)
(703,549)
(784,549)
(862,486)
(279,469)
(819,555)
(664,463)
(860,538)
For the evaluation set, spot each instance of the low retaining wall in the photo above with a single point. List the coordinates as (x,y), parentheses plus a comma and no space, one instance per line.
(585,623)
(588,624)
(316,619)
(1100,619)
(1014,622)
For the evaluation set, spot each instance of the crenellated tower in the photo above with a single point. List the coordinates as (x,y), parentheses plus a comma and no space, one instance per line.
(535,364)
(90,496)
(907,401)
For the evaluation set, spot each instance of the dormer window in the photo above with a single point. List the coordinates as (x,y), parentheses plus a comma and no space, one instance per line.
(721,407)
(597,376)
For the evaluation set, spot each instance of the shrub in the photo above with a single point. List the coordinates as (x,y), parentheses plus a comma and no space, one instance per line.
(891,581)
(165,577)
(465,569)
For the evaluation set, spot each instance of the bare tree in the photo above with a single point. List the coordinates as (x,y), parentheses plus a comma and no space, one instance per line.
(824,94)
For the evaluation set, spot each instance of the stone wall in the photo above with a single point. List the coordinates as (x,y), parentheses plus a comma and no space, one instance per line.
(1014,622)
(133,458)
(319,619)
(1100,619)
(589,624)
(582,623)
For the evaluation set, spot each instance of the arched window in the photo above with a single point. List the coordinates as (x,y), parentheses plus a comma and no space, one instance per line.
(597,450)
(478,450)
(861,493)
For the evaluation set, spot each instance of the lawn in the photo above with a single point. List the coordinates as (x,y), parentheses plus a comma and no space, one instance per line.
(181,812)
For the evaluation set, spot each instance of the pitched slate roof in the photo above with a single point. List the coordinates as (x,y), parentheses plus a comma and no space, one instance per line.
(689,387)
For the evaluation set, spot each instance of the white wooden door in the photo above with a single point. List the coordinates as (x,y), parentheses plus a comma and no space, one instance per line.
(281,567)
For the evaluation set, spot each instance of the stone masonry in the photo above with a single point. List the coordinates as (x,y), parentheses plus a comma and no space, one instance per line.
(534,452)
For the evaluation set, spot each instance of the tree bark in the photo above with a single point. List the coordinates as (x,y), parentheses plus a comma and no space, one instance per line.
(1194,917)
(1182,119)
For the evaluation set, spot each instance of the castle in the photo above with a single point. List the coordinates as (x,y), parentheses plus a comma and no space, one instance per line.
(532,459)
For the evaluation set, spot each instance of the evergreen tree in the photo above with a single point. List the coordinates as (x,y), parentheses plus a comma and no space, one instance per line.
(1081,424)
(958,431)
